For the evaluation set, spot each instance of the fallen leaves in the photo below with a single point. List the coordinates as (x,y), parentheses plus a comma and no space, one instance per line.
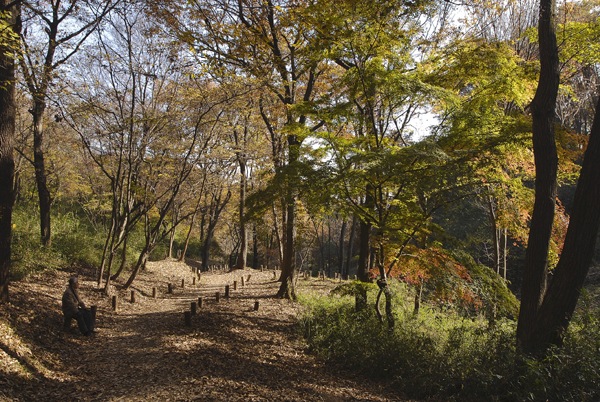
(144,352)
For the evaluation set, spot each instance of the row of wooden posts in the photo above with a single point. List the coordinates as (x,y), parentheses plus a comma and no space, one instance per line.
(194,306)
(321,275)
(187,315)
(215,268)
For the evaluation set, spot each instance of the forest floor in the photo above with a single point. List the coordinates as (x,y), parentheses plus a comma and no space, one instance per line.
(144,352)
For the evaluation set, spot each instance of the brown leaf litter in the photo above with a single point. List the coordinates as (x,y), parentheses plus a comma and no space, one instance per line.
(144,352)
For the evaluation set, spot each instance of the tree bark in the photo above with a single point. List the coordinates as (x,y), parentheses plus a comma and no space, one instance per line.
(243,255)
(564,290)
(216,209)
(189,233)
(495,231)
(106,246)
(123,258)
(364,252)
(543,109)
(39,106)
(278,236)
(7,135)
(172,237)
(350,246)
(504,250)
(288,269)
(254,248)
(341,254)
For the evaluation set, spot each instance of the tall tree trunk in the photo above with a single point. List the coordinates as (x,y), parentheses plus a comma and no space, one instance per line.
(206,250)
(322,247)
(123,258)
(172,237)
(495,231)
(564,290)
(278,236)
(254,248)
(341,254)
(350,246)
(202,225)
(288,269)
(329,248)
(504,250)
(140,262)
(189,233)
(7,135)
(39,106)
(216,209)
(243,255)
(107,244)
(543,109)
(364,251)
(418,294)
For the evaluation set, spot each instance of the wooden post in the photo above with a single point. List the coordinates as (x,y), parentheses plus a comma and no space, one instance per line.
(347,277)
(188,318)
(256,305)
(114,303)
(248,280)
(182,283)
(193,308)
(133,296)
(243,281)
(217,297)
(226,290)
(194,281)
(154,293)
(262,268)
(355,277)
(170,288)
(234,285)
(200,300)
(93,310)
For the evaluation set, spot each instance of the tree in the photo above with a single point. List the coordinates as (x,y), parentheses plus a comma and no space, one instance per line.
(216,201)
(382,92)
(10,27)
(67,26)
(268,42)
(542,109)
(547,310)
(560,299)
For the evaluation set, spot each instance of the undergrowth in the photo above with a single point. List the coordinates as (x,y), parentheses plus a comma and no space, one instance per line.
(75,242)
(443,354)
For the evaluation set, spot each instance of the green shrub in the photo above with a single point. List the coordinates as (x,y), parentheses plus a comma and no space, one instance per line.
(448,355)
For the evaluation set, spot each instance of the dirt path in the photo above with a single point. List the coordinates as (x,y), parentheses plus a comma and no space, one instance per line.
(144,352)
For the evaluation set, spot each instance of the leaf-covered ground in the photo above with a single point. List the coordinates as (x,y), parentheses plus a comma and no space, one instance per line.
(144,352)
